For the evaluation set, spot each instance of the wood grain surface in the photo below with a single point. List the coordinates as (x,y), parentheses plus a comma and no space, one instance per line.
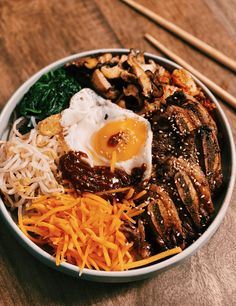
(34,33)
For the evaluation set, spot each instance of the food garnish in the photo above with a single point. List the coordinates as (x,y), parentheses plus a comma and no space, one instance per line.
(154,258)
(49,95)
(50,126)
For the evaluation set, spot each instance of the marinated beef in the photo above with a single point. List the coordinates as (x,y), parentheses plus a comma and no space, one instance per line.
(186,155)
(136,234)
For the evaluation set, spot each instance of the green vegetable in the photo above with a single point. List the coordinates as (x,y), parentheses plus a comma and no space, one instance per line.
(49,95)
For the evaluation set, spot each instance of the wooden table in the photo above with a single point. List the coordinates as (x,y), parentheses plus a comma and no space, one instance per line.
(35,33)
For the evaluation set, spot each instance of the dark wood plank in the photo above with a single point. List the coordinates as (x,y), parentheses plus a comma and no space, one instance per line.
(36,32)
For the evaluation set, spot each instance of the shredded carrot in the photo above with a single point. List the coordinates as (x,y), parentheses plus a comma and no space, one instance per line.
(82,230)
(139,195)
(113,161)
(144,262)
(114,190)
(86,230)
(135,213)
(22,227)
(96,198)
(85,256)
(129,218)
(129,194)
(137,210)
(106,256)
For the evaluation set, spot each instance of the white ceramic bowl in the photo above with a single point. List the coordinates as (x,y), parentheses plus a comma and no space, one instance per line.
(221,203)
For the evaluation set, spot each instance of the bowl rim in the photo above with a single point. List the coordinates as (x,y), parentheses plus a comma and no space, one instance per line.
(155,267)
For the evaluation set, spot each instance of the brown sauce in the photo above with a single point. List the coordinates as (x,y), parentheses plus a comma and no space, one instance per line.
(114,140)
(77,170)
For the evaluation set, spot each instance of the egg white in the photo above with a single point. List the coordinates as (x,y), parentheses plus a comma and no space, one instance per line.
(88,113)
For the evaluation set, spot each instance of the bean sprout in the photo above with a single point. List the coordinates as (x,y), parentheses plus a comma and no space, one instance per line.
(27,166)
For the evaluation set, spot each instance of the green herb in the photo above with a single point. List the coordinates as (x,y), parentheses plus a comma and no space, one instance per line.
(49,95)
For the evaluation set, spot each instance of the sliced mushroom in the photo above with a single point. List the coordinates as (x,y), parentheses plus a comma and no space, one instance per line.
(157,89)
(100,82)
(131,90)
(133,103)
(91,62)
(140,58)
(121,103)
(128,77)
(142,77)
(78,63)
(111,94)
(132,98)
(105,58)
(138,55)
(123,59)
(111,72)
(151,67)
(115,60)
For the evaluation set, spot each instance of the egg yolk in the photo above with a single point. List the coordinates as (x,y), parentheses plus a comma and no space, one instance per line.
(126,137)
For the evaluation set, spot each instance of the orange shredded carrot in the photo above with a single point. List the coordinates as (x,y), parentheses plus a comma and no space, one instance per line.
(129,194)
(106,256)
(53,211)
(127,217)
(65,246)
(58,252)
(137,210)
(114,191)
(139,195)
(129,202)
(22,227)
(135,213)
(94,263)
(84,231)
(142,205)
(96,198)
(113,161)
(146,261)
(85,256)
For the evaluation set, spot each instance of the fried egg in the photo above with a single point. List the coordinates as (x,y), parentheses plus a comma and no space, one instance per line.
(99,128)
